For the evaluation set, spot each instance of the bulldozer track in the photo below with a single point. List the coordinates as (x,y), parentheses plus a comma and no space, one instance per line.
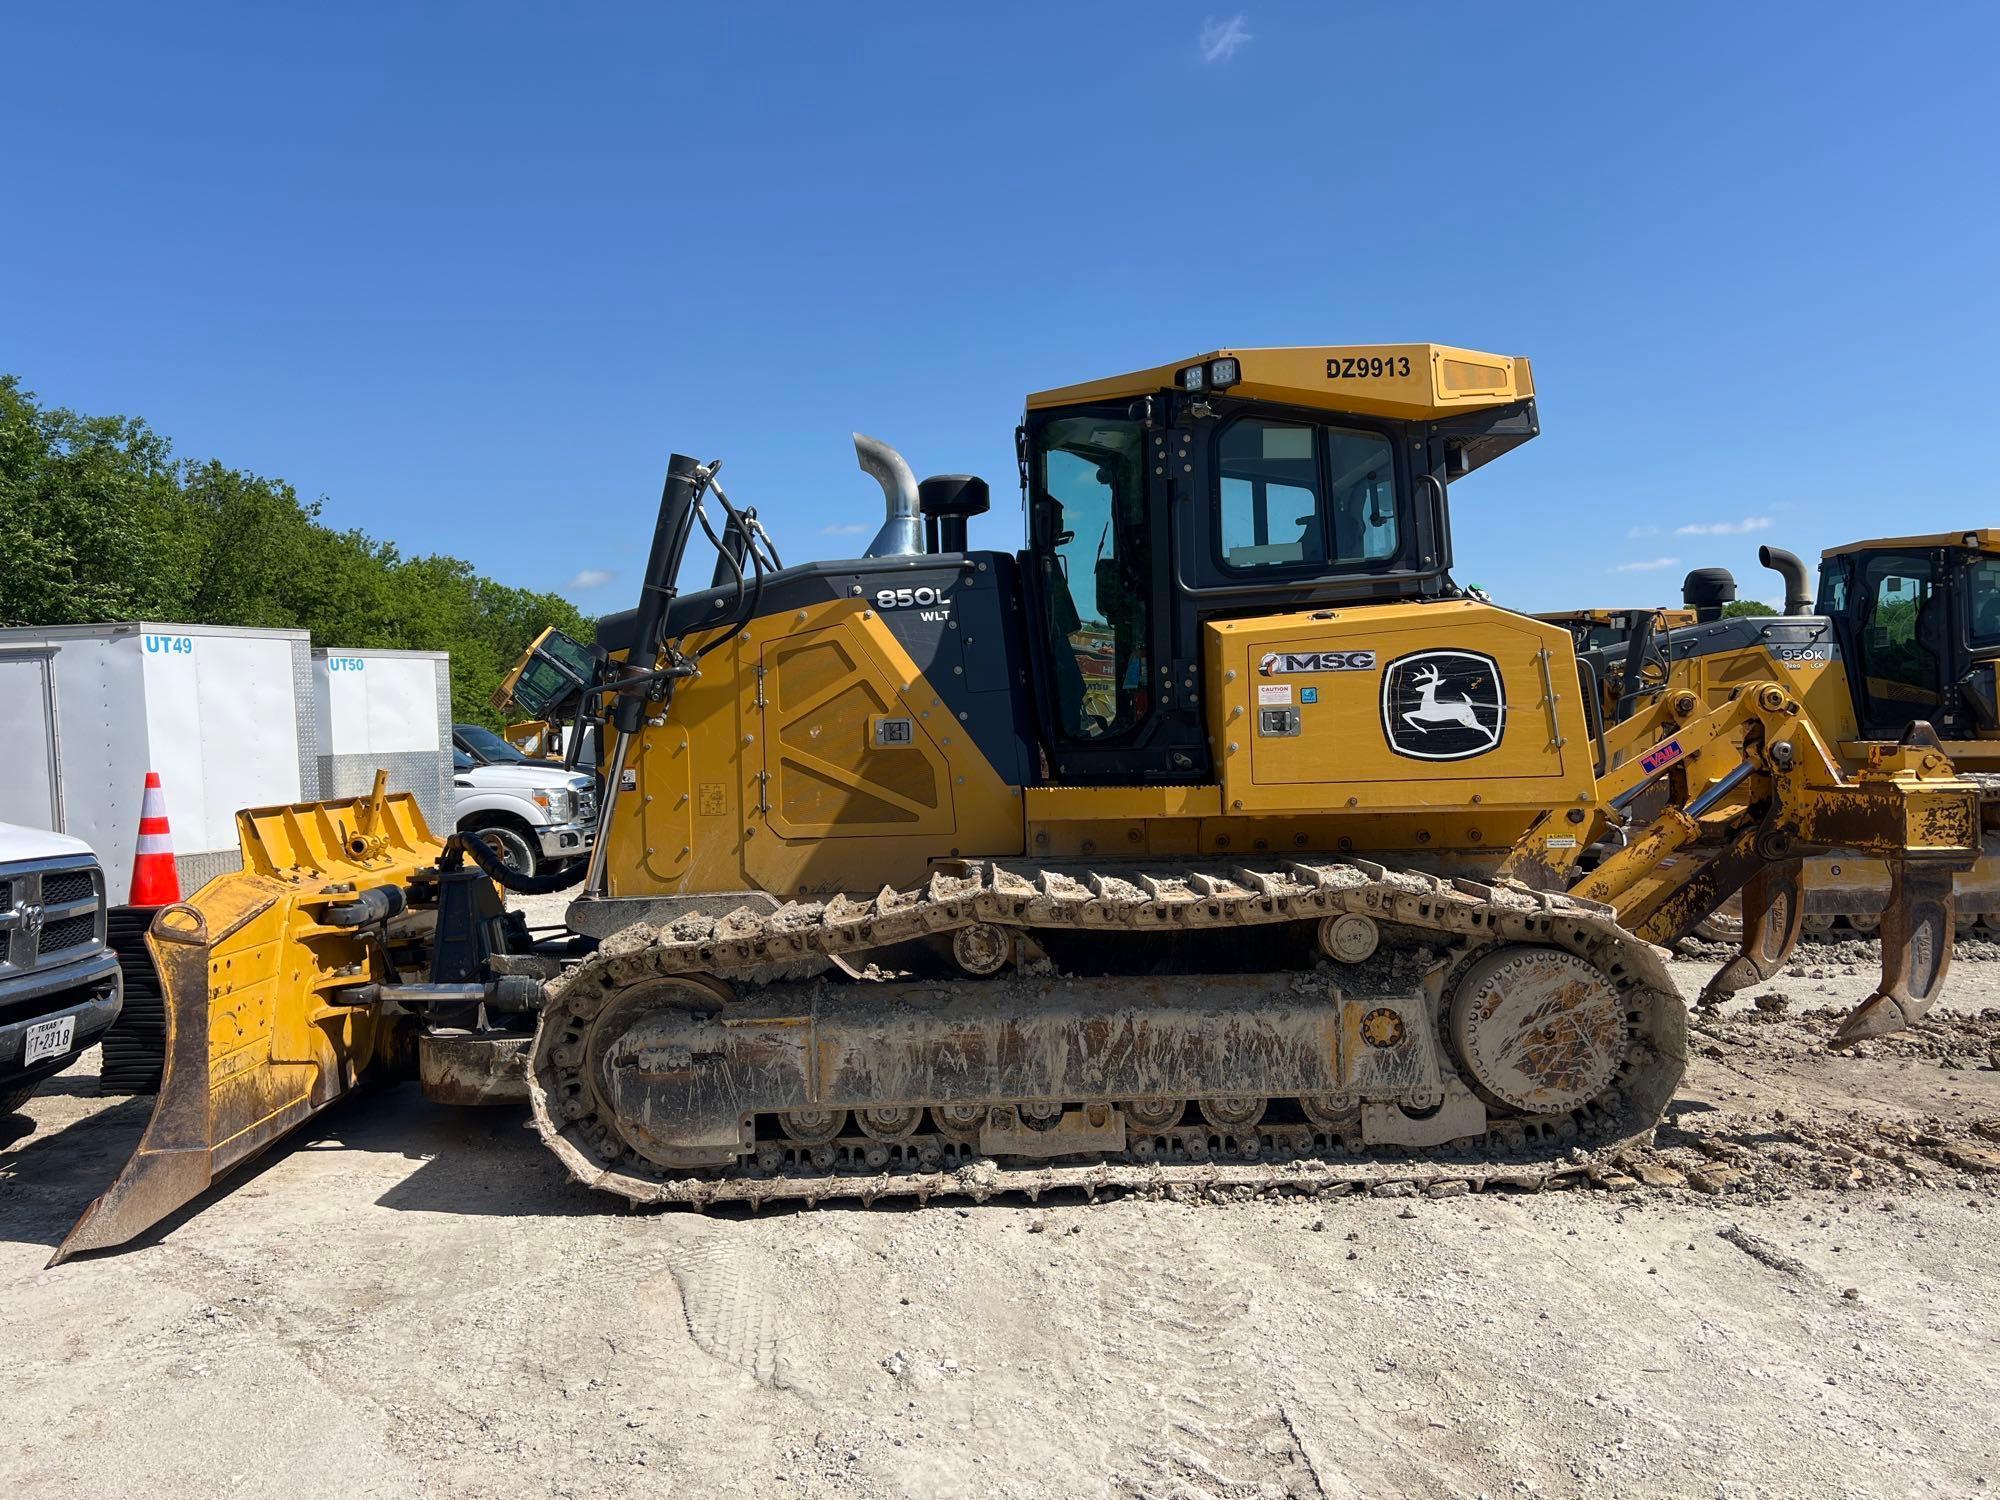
(1461,918)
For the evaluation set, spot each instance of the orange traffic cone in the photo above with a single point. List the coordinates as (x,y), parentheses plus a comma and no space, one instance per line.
(154,881)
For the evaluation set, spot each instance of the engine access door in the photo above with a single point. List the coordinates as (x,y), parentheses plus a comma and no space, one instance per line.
(847,754)
(1398,707)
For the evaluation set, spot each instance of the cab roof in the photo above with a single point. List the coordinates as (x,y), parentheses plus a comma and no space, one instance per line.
(1977,538)
(1405,382)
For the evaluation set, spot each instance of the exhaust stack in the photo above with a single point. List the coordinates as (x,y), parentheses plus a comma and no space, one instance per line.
(1798,586)
(902,534)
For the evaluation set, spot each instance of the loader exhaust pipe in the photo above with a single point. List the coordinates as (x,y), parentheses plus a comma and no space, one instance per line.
(1798,583)
(902,534)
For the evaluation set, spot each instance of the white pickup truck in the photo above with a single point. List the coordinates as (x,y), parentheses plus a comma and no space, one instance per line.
(532,813)
(59,983)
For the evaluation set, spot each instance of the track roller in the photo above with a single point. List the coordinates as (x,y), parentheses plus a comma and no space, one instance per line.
(1233,1113)
(813,1127)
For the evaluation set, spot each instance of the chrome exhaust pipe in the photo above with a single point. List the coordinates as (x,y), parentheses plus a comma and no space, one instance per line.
(902,534)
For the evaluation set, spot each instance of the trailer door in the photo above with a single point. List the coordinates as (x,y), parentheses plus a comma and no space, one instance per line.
(31,788)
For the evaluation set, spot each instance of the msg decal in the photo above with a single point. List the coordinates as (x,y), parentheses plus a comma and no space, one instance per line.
(1277,662)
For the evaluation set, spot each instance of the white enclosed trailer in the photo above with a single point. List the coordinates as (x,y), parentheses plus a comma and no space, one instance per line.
(385,710)
(225,715)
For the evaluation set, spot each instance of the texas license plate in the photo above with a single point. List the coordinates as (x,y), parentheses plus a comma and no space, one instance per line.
(48,1039)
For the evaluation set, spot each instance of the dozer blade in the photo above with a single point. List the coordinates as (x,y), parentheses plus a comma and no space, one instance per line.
(1774,915)
(1917,931)
(252,971)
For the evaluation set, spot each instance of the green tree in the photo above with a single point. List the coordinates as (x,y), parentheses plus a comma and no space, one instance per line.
(1748,607)
(99,521)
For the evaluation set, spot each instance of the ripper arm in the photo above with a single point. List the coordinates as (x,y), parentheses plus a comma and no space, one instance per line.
(1749,787)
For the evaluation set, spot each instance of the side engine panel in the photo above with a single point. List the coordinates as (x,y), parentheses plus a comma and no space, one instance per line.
(867,722)
(1406,708)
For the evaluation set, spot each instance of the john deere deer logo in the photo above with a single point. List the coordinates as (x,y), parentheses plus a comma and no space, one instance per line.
(1443,705)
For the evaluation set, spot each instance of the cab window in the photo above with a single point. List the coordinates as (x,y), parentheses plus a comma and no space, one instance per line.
(1096,565)
(1899,666)
(1364,496)
(1296,497)
(1982,587)
(1270,496)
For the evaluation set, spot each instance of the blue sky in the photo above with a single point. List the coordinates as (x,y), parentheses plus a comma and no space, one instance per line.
(470,272)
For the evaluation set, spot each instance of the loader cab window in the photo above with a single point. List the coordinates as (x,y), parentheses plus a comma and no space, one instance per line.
(1303,498)
(1899,632)
(1096,566)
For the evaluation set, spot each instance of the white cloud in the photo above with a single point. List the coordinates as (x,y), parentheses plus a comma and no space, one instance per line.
(1725,528)
(1638,531)
(844,528)
(591,578)
(1220,39)
(1650,565)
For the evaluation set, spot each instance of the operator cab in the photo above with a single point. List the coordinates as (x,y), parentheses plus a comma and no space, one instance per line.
(1918,620)
(1243,482)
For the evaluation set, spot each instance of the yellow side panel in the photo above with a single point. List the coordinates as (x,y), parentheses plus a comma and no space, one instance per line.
(827,701)
(773,770)
(1397,707)
(1064,804)
(665,761)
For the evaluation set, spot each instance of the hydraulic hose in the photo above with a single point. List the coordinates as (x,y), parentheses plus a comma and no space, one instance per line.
(494,868)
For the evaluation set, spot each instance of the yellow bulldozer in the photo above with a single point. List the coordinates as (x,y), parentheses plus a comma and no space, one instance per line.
(1903,631)
(1214,827)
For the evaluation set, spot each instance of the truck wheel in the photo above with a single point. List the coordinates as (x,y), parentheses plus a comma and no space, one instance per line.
(11,1099)
(516,850)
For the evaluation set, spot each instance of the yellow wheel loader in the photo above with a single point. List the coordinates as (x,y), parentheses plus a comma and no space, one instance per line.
(1591,629)
(1214,831)
(1903,640)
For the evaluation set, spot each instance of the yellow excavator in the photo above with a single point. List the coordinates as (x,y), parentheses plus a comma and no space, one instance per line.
(1903,630)
(1215,829)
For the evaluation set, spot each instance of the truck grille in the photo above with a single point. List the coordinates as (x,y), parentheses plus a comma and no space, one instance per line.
(48,915)
(59,886)
(586,805)
(70,932)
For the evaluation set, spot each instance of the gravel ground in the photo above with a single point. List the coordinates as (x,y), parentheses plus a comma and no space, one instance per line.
(413,1301)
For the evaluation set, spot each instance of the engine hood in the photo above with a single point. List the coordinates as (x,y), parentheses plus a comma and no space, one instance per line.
(18,843)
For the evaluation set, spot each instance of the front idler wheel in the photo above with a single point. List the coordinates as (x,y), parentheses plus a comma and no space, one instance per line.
(1538,1030)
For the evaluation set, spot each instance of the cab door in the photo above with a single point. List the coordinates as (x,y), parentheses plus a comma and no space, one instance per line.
(1096,569)
(1903,640)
